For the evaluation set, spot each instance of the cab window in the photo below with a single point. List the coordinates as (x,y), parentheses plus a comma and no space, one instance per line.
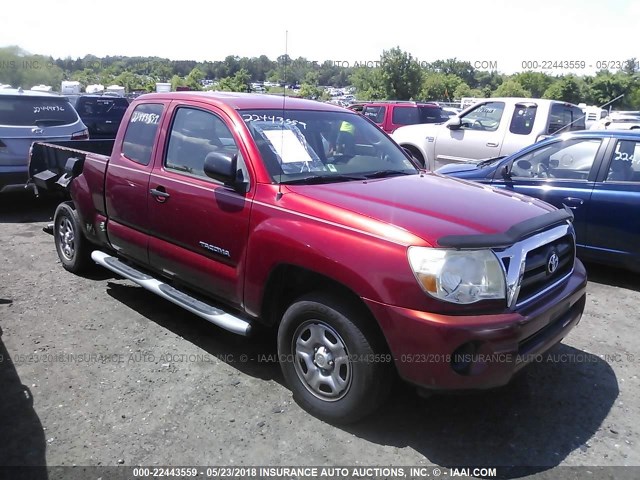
(375,114)
(485,116)
(523,118)
(141,132)
(195,134)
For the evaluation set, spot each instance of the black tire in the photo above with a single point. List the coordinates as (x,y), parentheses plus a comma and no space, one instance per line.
(361,372)
(417,156)
(73,249)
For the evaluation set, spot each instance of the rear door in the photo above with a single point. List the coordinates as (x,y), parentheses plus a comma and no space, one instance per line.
(199,227)
(479,136)
(560,173)
(127,182)
(613,231)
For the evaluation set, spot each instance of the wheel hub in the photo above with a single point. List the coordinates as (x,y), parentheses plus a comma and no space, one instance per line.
(323,358)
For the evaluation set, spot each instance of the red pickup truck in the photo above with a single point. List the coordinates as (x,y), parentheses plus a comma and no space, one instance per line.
(304,217)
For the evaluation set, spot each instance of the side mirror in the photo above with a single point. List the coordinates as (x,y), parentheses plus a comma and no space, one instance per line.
(224,168)
(454,124)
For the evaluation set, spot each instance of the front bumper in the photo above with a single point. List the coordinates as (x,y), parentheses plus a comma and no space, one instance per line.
(443,352)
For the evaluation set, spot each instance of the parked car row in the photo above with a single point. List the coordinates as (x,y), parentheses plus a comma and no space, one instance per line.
(30,115)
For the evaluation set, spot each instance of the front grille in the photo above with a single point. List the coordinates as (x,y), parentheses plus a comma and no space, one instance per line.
(538,265)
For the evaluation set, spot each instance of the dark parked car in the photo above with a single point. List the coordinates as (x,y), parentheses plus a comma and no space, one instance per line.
(594,173)
(101,114)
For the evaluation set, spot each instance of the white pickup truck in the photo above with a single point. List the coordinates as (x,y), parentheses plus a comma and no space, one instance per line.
(490,128)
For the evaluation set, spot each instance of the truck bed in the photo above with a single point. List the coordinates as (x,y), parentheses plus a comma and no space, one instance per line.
(47,160)
(54,155)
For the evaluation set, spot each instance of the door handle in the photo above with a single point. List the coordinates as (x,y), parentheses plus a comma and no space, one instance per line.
(572,202)
(160,194)
(492,144)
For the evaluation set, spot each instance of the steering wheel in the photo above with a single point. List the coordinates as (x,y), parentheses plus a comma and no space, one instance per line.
(540,171)
(478,123)
(339,158)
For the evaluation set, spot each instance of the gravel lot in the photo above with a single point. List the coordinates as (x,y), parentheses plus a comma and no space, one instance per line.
(151,384)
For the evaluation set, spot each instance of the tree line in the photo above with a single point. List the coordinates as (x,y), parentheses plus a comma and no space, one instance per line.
(396,76)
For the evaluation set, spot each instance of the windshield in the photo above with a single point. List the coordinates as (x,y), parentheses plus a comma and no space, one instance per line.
(37,111)
(302,146)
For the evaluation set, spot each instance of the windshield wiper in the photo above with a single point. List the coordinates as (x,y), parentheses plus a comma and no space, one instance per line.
(316,179)
(488,161)
(388,173)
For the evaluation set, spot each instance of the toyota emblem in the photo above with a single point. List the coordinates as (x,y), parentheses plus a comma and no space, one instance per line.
(552,263)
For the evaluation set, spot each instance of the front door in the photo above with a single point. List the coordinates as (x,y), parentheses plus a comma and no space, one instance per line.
(199,227)
(480,135)
(561,173)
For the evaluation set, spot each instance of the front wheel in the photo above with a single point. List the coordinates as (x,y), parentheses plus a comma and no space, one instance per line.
(416,156)
(332,358)
(73,249)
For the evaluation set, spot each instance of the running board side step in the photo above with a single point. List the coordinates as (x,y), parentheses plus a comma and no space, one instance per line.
(214,315)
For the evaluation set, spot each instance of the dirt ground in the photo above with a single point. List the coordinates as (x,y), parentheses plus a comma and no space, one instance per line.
(97,371)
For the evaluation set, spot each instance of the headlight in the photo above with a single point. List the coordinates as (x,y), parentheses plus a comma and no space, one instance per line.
(456,276)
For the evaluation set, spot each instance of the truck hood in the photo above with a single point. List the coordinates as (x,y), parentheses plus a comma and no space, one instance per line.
(419,209)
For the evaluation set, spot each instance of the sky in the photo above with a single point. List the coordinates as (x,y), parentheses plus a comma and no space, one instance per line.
(509,36)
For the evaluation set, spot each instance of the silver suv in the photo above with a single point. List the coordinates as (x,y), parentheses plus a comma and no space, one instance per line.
(29,116)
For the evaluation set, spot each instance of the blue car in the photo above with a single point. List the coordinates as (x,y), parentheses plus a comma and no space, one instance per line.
(594,173)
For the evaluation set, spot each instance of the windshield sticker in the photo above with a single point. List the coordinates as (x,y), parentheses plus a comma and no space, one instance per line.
(47,108)
(252,117)
(332,167)
(287,146)
(147,118)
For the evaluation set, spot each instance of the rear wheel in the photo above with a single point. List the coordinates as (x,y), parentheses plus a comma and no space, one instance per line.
(332,358)
(73,249)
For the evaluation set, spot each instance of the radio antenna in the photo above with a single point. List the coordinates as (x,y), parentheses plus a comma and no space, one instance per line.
(284,99)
